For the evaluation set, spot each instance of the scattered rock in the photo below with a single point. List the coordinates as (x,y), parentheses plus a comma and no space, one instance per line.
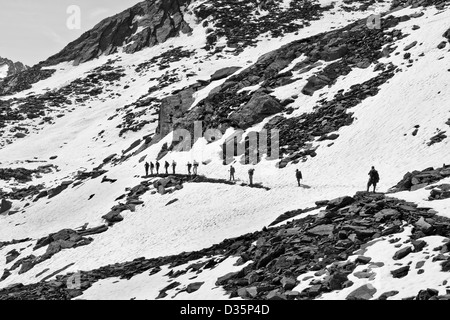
(365,292)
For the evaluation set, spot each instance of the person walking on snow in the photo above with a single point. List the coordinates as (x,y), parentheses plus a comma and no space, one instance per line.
(174,165)
(189,166)
(152,167)
(147,166)
(195,167)
(157,167)
(298,175)
(373,180)
(232,171)
(166,166)
(251,172)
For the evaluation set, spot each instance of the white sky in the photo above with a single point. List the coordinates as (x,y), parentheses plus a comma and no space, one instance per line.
(31,31)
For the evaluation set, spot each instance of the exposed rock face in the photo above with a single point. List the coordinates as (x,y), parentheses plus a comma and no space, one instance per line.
(174,106)
(419,179)
(144,25)
(260,106)
(23,80)
(11,67)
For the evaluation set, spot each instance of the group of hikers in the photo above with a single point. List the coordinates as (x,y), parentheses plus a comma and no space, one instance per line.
(374,177)
(251,172)
(150,166)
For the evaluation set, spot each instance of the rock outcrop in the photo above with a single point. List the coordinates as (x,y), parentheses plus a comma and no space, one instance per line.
(416,179)
(144,25)
(11,67)
(23,80)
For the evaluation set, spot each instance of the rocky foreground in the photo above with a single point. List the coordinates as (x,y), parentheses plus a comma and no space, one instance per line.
(280,255)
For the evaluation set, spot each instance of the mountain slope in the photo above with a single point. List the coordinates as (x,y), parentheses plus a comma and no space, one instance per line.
(344,97)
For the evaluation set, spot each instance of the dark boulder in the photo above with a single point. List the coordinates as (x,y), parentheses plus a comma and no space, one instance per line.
(260,106)
(223,73)
(5,205)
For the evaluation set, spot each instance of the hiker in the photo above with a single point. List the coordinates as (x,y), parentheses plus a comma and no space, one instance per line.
(152,167)
(298,175)
(373,180)
(147,166)
(189,166)
(166,166)
(250,175)
(157,167)
(195,167)
(174,165)
(232,171)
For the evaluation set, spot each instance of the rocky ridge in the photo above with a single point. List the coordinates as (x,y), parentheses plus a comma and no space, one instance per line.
(146,24)
(13,67)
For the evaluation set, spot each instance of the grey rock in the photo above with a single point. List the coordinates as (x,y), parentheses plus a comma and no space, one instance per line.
(365,292)
(223,73)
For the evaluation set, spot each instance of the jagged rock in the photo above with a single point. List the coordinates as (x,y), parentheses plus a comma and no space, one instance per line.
(400,272)
(365,292)
(339,203)
(388,294)
(11,256)
(363,260)
(402,253)
(336,281)
(386,213)
(224,279)
(322,230)
(5,205)
(427,294)
(315,83)
(276,295)
(423,225)
(418,245)
(257,109)
(330,54)
(364,274)
(113,217)
(269,257)
(194,287)
(288,283)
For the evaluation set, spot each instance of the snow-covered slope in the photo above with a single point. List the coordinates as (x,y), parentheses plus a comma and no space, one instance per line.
(86,131)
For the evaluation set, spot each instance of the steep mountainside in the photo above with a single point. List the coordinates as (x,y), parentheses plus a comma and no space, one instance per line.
(335,87)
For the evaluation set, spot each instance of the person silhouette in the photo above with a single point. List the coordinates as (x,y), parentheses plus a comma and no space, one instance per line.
(251,172)
(147,166)
(298,175)
(174,165)
(374,178)
(232,171)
